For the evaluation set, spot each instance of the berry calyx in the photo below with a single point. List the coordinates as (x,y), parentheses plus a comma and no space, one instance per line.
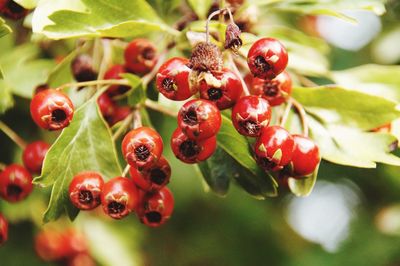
(267,58)
(173,79)
(275,91)
(115,72)
(107,107)
(82,68)
(227,92)
(192,151)
(85,190)
(250,114)
(199,119)
(15,183)
(140,56)
(33,155)
(305,156)
(274,148)
(12,10)
(51,109)
(3,229)
(153,178)
(119,197)
(156,208)
(206,57)
(142,147)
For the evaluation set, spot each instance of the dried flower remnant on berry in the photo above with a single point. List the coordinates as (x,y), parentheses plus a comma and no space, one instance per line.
(206,57)
(232,38)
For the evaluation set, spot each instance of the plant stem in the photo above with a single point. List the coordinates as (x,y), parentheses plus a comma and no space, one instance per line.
(137,118)
(286,113)
(303,116)
(94,83)
(306,81)
(105,61)
(213,14)
(12,135)
(126,170)
(237,72)
(159,108)
(122,128)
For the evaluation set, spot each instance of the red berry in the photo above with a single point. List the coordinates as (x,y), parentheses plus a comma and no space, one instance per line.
(250,115)
(34,154)
(156,208)
(173,79)
(224,91)
(199,119)
(142,147)
(51,109)
(115,72)
(119,197)
(82,68)
(81,259)
(275,91)
(153,178)
(305,156)
(3,230)
(12,10)
(267,58)
(274,148)
(140,56)
(15,183)
(85,190)
(76,242)
(52,245)
(120,114)
(107,107)
(192,151)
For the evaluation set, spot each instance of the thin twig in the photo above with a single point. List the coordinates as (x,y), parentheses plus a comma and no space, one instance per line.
(213,14)
(122,128)
(237,72)
(105,61)
(303,116)
(12,135)
(137,118)
(159,108)
(126,170)
(286,113)
(94,83)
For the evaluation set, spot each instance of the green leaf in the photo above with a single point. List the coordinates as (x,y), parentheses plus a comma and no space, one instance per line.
(339,106)
(137,94)
(62,73)
(4,28)
(200,7)
(6,99)
(303,187)
(85,145)
(99,18)
(28,4)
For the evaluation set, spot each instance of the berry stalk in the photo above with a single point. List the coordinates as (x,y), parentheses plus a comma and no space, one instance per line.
(302,114)
(12,135)
(159,108)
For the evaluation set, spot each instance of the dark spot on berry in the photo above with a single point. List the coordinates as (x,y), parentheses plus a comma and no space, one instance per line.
(266,163)
(214,94)
(189,148)
(142,152)
(153,217)
(270,89)
(168,84)
(58,116)
(157,176)
(250,126)
(261,64)
(85,197)
(115,207)
(13,191)
(190,117)
(148,53)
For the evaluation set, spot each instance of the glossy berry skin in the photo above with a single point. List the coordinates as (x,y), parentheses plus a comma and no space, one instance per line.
(12,10)
(142,147)
(192,151)
(115,72)
(156,208)
(267,58)
(120,113)
(250,114)
(173,79)
(199,119)
(51,109)
(33,155)
(82,68)
(3,230)
(225,95)
(119,197)
(15,183)
(85,190)
(153,178)
(107,107)
(274,148)
(140,56)
(305,156)
(275,91)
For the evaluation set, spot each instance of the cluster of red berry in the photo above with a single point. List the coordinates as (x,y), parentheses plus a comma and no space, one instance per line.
(12,10)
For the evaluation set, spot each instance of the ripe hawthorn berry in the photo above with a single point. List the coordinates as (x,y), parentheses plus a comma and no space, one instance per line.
(15,183)
(51,109)
(80,259)
(192,151)
(52,245)
(199,119)
(34,154)
(85,190)
(274,148)
(115,72)
(12,10)
(267,58)
(82,68)
(142,147)
(250,114)
(3,229)
(140,56)
(275,91)
(107,107)
(156,208)
(153,178)
(225,95)
(305,156)
(119,197)
(173,79)
(120,113)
